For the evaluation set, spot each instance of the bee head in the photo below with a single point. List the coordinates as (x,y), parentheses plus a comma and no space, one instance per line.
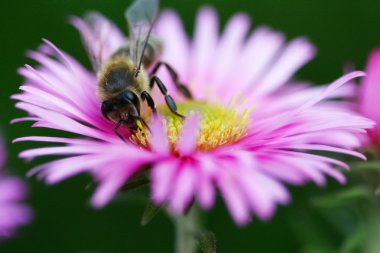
(124,108)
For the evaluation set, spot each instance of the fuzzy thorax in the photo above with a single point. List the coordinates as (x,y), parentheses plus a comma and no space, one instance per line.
(117,75)
(219,125)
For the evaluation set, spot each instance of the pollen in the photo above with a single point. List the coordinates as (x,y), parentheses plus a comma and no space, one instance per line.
(220,125)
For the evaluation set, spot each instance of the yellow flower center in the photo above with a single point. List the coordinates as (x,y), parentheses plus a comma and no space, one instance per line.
(219,125)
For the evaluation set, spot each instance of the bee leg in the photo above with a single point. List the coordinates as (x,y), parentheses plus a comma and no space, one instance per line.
(145,95)
(117,126)
(169,100)
(145,124)
(180,87)
(142,122)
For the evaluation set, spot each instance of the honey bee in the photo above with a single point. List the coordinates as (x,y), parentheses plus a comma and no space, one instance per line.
(123,81)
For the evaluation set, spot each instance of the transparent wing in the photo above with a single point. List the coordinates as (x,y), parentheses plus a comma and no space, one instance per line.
(140,17)
(100,37)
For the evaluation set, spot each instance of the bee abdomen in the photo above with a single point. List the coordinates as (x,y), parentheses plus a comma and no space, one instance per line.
(153,51)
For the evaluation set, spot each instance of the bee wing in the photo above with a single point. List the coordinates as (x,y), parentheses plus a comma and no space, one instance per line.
(101,38)
(140,18)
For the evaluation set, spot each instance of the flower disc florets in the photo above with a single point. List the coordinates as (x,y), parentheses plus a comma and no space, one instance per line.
(219,125)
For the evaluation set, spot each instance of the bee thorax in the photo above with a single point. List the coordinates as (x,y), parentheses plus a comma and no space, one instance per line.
(117,75)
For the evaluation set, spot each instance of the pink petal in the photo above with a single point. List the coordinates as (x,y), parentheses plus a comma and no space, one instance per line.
(295,55)
(109,187)
(159,141)
(65,168)
(205,188)
(204,45)
(257,194)
(162,176)
(100,36)
(261,47)
(234,198)
(328,148)
(230,44)
(369,91)
(188,138)
(61,122)
(332,87)
(184,186)
(174,41)
(11,189)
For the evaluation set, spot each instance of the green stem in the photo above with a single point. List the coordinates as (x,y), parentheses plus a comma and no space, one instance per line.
(186,228)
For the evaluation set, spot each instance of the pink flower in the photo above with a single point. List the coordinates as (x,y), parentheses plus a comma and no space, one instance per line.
(249,130)
(369,94)
(13,213)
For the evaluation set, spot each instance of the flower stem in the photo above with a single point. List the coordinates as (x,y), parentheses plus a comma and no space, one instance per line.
(186,228)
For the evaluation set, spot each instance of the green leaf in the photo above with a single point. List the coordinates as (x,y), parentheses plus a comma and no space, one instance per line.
(312,235)
(366,166)
(372,153)
(377,191)
(343,197)
(207,241)
(150,212)
(135,184)
(355,240)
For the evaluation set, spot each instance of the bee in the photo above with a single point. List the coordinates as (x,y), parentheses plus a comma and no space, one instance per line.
(122,80)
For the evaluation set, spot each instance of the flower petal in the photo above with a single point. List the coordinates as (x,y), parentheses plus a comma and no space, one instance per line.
(204,44)
(177,41)
(295,55)
(368,94)
(162,176)
(184,186)
(187,142)
(159,141)
(235,200)
(100,36)
(109,186)
(228,48)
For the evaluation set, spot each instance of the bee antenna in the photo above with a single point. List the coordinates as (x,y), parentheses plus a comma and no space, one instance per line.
(137,70)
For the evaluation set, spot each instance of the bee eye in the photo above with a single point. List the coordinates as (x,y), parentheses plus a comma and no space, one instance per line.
(128,97)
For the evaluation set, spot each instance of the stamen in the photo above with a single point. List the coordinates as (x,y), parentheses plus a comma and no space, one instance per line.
(219,126)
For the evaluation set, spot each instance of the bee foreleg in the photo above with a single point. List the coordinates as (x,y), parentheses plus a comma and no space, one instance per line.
(145,124)
(142,121)
(117,126)
(180,87)
(145,95)
(169,100)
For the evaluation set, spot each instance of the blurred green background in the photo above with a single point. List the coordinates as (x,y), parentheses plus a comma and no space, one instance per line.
(344,31)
